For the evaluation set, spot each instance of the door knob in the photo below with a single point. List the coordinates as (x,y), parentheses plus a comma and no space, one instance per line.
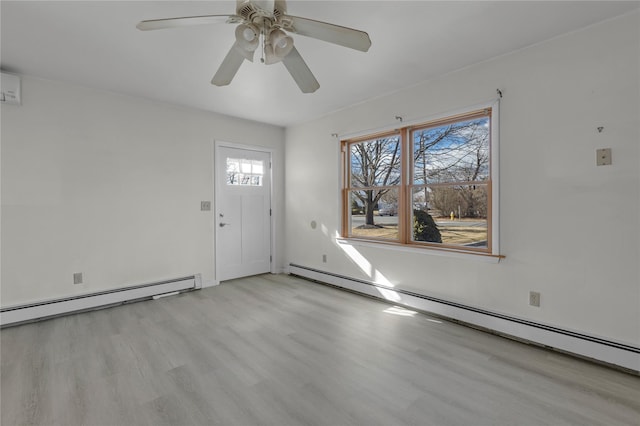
(222,224)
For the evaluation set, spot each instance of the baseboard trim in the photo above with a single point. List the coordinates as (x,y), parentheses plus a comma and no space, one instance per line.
(586,346)
(19,314)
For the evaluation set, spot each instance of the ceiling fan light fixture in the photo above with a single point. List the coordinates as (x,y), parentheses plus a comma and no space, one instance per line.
(280,42)
(270,57)
(248,36)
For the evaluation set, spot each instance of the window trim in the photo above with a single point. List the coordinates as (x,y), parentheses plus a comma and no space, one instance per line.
(411,248)
(404,241)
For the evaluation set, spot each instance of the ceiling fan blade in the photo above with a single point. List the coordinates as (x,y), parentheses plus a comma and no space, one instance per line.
(159,24)
(347,37)
(248,54)
(300,72)
(229,66)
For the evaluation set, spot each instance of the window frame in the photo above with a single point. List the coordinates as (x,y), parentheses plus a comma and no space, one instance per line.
(347,179)
(408,184)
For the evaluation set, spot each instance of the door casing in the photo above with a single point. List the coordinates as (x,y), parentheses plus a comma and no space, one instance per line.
(215,219)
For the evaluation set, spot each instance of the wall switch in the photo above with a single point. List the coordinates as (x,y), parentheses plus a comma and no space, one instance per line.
(324,258)
(205,206)
(534,298)
(77,278)
(603,157)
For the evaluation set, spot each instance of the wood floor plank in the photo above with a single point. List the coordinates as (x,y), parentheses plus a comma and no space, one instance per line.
(278,350)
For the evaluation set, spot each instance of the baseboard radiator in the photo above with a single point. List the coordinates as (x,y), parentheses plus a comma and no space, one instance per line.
(601,350)
(19,314)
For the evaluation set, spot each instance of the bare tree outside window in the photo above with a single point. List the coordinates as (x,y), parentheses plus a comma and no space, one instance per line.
(375,166)
(457,152)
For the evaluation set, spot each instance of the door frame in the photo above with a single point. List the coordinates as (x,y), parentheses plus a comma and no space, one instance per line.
(272,245)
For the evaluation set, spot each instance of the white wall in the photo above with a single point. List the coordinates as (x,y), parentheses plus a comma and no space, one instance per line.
(110,186)
(569,229)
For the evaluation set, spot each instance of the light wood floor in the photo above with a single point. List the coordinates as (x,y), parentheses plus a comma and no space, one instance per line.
(276,350)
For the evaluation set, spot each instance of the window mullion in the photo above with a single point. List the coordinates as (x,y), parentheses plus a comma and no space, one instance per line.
(404,212)
(346,176)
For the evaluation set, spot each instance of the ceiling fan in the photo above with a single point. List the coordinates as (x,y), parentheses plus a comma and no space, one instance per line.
(264,24)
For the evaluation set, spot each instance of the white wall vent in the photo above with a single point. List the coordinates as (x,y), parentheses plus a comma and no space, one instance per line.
(10,89)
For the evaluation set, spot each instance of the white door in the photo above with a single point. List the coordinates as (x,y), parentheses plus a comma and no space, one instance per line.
(242,212)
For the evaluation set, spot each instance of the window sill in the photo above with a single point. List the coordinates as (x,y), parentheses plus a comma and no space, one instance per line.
(431,251)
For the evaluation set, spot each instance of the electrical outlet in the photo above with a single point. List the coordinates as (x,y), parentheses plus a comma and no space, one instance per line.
(205,206)
(324,258)
(603,157)
(534,298)
(77,278)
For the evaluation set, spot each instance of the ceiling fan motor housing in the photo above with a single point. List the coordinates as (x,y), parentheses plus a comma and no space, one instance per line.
(257,11)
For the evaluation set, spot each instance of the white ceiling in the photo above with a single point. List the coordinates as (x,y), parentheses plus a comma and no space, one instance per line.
(96,44)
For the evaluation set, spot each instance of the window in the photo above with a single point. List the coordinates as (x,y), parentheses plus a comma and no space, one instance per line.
(375,180)
(426,185)
(244,172)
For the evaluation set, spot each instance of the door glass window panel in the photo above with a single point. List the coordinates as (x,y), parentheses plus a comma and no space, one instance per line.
(244,172)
